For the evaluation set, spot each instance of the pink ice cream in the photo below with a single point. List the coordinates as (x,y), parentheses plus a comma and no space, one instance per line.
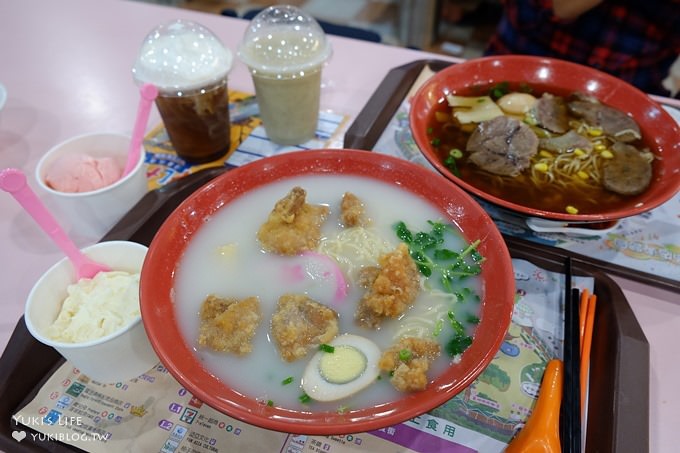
(82,173)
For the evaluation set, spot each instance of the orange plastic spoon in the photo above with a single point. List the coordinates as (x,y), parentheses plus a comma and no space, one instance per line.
(541,433)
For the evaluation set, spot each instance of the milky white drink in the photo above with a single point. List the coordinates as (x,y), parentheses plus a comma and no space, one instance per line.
(285,50)
(189,65)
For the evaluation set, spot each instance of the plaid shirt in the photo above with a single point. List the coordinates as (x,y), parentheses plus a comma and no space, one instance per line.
(635,40)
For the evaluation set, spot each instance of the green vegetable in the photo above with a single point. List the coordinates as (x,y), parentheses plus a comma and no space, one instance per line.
(525,88)
(450,267)
(304,398)
(405,355)
(499,90)
(458,344)
(287,381)
(435,141)
(472,319)
(460,341)
(431,258)
(438,328)
(327,348)
(450,163)
(270,403)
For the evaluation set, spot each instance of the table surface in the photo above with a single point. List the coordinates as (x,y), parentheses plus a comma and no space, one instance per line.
(66,67)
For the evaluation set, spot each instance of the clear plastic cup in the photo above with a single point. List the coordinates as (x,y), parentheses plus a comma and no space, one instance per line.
(285,50)
(189,65)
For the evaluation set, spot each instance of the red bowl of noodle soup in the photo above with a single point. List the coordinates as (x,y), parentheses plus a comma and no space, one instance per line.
(561,141)
(208,245)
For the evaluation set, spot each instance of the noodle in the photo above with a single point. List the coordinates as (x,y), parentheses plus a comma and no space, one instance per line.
(564,169)
(355,247)
(423,319)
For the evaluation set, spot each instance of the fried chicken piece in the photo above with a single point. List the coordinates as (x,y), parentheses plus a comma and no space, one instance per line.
(293,225)
(352,211)
(300,324)
(409,360)
(229,325)
(393,289)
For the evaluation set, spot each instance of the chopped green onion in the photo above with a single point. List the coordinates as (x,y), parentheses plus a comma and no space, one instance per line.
(500,89)
(525,88)
(456,153)
(326,348)
(287,381)
(270,403)
(450,163)
(405,355)
(435,141)
(304,398)
(439,325)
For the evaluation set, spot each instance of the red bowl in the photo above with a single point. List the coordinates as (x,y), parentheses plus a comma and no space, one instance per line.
(661,130)
(166,249)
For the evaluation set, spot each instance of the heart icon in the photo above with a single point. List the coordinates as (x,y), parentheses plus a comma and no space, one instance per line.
(19,435)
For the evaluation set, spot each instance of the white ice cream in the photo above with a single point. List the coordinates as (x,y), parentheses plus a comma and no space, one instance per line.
(97,307)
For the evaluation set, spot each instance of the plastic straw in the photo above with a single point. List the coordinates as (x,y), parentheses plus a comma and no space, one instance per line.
(148,93)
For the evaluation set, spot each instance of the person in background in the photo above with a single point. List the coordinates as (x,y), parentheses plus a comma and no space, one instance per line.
(635,40)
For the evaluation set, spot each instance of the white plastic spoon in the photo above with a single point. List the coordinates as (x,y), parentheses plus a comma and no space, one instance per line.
(13,181)
(147,94)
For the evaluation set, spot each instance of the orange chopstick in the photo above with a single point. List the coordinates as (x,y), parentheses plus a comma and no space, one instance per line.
(587,342)
(582,309)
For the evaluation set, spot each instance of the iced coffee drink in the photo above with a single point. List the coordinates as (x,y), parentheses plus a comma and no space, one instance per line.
(189,65)
(285,50)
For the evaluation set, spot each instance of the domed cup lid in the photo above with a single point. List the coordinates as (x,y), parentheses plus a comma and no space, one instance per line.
(284,42)
(181,55)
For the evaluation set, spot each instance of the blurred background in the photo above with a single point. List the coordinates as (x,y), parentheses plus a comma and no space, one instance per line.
(454,27)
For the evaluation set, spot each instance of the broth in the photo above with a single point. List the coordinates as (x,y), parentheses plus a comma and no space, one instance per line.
(251,272)
(589,197)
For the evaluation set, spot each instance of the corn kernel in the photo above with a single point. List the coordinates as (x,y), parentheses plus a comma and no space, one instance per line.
(468,127)
(442,117)
(544,153)
(571,210)
(607,154)
(600,147)
(594,131)
(541,166)
(582,174)
(579,152)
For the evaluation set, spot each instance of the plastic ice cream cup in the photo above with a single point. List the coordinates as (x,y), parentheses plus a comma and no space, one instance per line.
(120,356)
(189,66)
(88,216)
(285,50)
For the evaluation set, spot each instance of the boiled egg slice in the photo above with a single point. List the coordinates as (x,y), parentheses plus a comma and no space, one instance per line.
(516,103)
(349,365)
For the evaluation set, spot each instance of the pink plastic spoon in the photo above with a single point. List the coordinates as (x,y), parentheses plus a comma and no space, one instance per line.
(148,93)
(13,181)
